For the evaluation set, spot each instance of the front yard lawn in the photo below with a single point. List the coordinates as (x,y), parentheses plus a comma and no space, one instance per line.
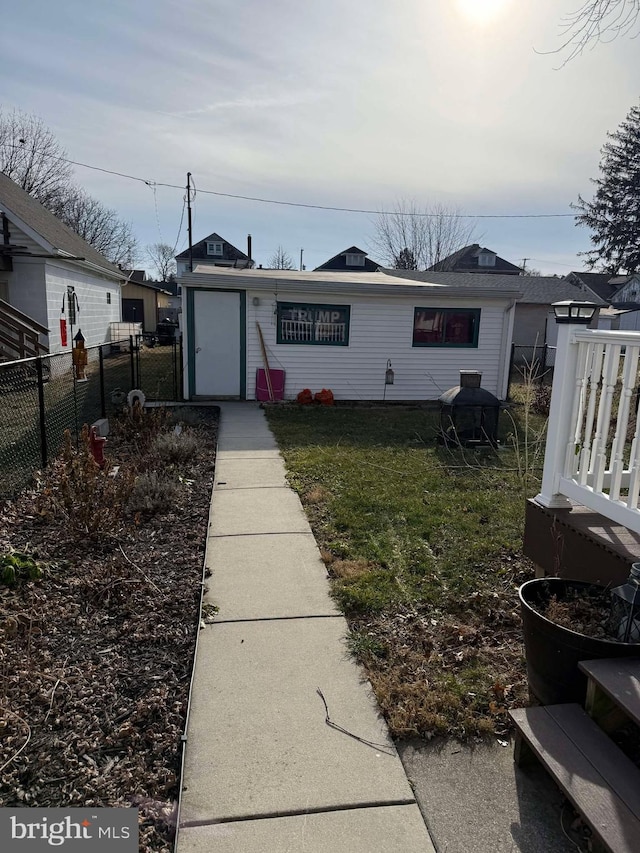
(423,547)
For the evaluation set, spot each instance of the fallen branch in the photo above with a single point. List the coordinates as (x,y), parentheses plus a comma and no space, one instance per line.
(379,746)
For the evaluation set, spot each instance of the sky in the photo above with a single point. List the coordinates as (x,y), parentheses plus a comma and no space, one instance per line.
(340,103)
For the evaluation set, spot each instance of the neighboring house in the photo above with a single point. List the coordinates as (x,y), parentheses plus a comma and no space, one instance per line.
(217,252)
(46,270)
(619,291)
(143,301)
(352,259)
(340,331)
(474,259)
(534,321)
(174,308)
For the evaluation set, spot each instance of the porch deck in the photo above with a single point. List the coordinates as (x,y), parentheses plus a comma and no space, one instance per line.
(579,543)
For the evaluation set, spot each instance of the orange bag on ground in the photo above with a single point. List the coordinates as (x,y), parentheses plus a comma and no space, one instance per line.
(305,397)
(324,397)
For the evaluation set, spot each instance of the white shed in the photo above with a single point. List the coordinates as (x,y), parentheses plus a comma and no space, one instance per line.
(341,331)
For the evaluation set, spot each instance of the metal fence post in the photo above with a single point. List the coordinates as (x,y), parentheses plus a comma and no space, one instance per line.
(43,420)
(133,366)
(103,404)
(180,370)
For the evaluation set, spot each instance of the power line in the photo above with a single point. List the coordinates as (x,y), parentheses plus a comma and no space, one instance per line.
(366,211)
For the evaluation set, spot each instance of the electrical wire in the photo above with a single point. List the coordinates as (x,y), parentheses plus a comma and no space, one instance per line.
(309,206)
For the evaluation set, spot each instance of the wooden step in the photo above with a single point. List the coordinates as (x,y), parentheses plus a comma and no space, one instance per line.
(594,774)
(619,680)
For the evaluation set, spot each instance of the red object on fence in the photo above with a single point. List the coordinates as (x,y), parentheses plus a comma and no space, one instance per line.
(63,331)
(262,386)
(324,397)
(305,397)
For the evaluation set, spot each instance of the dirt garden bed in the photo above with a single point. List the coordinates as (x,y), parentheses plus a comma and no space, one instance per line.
(96,654)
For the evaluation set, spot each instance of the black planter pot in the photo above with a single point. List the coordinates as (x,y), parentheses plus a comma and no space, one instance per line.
(553,652)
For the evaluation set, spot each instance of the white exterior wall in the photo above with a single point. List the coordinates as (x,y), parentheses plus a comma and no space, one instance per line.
(530,326)
(95,313)
(381,328)
(27,288)
(629,321)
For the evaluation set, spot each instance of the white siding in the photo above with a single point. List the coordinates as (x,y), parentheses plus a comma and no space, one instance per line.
(27,288)
(20,238)
(381,329)
(95,312)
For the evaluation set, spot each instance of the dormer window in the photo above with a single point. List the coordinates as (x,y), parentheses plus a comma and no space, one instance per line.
(486,259)
(214,249)
(355,260)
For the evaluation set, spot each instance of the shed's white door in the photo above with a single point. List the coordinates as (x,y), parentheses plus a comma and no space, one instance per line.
(217,343)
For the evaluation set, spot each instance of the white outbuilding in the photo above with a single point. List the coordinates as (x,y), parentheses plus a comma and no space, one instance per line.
(342,332)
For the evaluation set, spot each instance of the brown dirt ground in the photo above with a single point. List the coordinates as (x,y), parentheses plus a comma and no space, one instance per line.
(96,656)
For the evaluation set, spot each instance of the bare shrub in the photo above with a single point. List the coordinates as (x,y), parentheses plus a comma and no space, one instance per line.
(153,493)
(91,500)
(175,448)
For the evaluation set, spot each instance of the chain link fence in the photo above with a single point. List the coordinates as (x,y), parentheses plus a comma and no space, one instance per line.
(42,397)
(531,364)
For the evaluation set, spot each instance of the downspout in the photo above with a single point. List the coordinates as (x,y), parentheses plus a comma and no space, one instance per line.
(505,361)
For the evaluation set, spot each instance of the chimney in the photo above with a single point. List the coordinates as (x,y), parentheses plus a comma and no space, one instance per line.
(470,378)
(249,246)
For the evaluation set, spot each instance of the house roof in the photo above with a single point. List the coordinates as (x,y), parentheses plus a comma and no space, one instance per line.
(199,250)
(339,262)
(135,276)
(466,260)
(149,285)
(535,289)
(598,282)
(53,234)
(349,281)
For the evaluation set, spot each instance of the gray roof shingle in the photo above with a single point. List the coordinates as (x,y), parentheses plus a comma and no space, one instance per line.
(536,289)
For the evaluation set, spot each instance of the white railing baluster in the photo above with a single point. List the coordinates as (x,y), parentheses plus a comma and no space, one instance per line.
(586,454)
(609,379)
(587,457)
(624,409)
(577,414)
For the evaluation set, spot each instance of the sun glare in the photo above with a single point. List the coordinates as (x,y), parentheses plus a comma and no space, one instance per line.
(481,11)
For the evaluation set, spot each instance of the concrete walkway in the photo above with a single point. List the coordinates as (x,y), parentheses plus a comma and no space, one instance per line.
(263,770)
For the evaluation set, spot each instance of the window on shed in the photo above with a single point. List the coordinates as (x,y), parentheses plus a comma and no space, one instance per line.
(301,323)
(446,327)
(108,298)
(355,260)
(214,249)
(486,259)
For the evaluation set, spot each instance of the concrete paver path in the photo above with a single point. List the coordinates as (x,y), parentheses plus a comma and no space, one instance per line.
(263,770)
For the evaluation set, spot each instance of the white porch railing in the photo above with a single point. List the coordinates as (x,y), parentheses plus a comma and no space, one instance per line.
(593,441)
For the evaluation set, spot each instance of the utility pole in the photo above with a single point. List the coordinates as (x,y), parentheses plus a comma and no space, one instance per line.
(301,251)
(524,265)
(189,221)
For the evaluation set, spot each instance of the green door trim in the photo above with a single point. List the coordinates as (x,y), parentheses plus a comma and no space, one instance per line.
(191,351)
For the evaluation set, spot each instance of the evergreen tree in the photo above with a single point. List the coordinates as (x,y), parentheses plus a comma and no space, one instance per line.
(613,215)
(406,260)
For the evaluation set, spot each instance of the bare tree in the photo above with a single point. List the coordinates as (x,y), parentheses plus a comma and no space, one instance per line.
(161,257)
(410,237)
(32,157)
(281,260)
(595,21)
(98,225)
